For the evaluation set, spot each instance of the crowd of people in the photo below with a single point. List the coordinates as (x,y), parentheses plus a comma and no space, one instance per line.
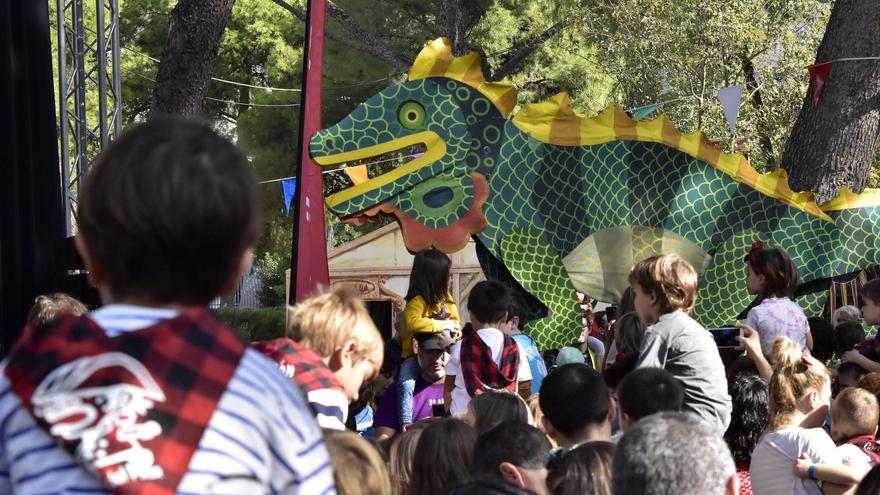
(152,393)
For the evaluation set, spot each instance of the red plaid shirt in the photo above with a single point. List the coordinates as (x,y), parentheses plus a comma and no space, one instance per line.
(479,370)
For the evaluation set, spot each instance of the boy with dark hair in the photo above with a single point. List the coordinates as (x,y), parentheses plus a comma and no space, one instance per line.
(152,393)
(487,359)
(513,453)
(665,289)
(871,316)
(516,321)
(646,391)
(576,405)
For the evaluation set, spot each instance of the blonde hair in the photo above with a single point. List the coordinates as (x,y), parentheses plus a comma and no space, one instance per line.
(401,458)
(669,277)
(50,306)
(357,466)
(844,314)
(326,321)
(793,375)
(855,412)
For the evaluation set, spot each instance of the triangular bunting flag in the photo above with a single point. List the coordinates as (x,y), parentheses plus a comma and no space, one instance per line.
(289,187)
(730,98)
(818,75)
(358,175)
(642,113)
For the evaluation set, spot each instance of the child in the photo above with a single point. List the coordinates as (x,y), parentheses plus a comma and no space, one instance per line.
(488,359)
(799,391)
(50,306)
(854,428)
(846,313)
(665,289)
(152,393)
(332,349)
(492,408)
(871,316)
(429,308)
(357,465)
(646,391)
(516,320)
(628,333)
(771,274)
(588,341)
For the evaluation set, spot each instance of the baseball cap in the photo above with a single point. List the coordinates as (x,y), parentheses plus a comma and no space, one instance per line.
(434,341)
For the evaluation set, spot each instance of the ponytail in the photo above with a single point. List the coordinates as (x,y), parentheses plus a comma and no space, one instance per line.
(793,375)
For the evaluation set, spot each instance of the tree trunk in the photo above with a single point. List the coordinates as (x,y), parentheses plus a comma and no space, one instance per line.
(833,145)
(449,23)
(194,35)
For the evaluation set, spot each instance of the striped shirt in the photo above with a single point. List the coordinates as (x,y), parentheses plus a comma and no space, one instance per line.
(262,437)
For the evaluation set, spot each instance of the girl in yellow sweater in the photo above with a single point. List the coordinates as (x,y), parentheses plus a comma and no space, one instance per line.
(429,308)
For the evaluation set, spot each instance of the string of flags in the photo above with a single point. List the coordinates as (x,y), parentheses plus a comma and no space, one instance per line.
(358,174)
(730,98)
(820,72)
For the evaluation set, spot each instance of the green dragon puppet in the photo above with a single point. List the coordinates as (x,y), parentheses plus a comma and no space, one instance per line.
(569,203)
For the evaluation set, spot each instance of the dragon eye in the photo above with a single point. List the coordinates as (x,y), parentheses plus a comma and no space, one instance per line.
(411,114)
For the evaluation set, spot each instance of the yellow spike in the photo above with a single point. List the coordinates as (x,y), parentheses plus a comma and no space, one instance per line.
(847,199)
(436,60)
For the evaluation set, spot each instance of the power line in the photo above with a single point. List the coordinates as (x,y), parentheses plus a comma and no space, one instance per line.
(270,88)
(242,104)
(230,102)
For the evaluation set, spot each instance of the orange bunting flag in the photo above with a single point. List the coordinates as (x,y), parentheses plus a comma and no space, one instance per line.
(358,174)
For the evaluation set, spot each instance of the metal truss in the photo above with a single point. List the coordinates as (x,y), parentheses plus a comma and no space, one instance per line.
(88,58)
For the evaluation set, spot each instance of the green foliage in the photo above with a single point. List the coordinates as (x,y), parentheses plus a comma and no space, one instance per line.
(626,52)
(657,51)
(255,324)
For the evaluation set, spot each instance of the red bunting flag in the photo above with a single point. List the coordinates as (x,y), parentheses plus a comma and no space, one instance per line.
(818,75)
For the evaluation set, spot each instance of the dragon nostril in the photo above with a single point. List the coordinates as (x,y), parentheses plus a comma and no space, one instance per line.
(329,143)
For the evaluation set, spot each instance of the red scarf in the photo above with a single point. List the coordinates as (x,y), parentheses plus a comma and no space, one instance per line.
(479,369)
(299,363)
(137,404)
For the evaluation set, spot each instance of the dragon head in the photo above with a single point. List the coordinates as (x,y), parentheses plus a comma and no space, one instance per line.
(456,116)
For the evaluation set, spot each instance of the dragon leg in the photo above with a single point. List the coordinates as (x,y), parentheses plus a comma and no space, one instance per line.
(530,259)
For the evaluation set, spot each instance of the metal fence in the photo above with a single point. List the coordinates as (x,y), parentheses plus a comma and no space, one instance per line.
(245,295)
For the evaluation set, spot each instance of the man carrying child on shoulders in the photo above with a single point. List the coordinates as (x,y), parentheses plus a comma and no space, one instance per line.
(432,352)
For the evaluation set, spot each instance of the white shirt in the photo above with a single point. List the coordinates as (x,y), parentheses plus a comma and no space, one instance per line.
(262,437)
(855,458)
(494,339)
(772,466)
